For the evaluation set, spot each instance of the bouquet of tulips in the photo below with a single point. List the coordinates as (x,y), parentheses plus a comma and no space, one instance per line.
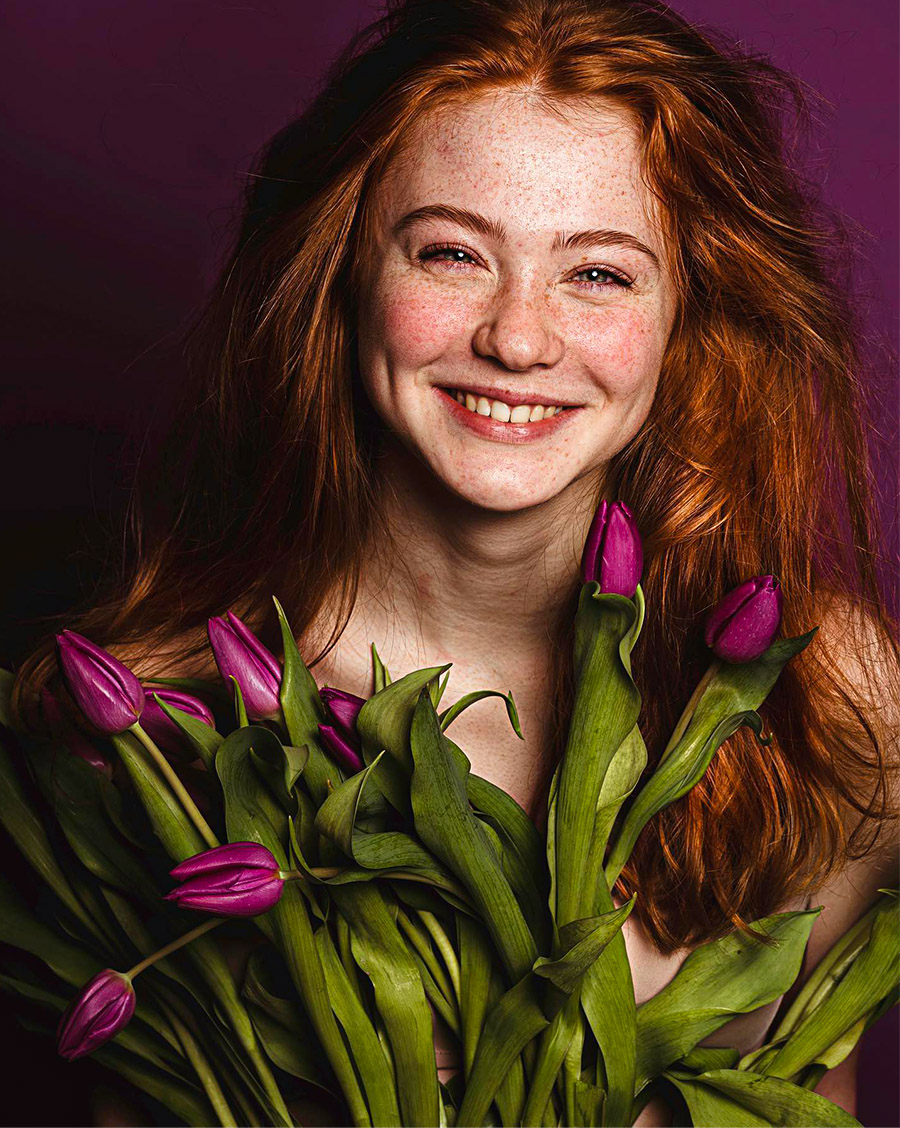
(375,882)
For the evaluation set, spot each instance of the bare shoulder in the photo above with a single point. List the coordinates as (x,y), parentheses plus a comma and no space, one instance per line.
(858,650)
(865,658)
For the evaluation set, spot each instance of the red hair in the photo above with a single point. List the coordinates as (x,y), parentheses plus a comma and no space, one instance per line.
(753,459)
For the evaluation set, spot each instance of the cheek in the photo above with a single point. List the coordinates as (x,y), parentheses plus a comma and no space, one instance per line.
(417,325)
(622,348)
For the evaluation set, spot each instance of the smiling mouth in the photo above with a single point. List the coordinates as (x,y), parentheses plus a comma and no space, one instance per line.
(503,412)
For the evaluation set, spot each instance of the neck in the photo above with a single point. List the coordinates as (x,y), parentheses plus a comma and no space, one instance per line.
(462,579)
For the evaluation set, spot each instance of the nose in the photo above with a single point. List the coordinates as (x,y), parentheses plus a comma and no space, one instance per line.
(517,329)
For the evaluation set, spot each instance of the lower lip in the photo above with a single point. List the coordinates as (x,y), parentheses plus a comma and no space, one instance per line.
(489,428)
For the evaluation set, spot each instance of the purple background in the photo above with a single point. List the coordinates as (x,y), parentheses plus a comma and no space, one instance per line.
(131,127)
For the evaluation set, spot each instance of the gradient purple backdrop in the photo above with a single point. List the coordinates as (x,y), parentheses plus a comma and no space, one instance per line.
(132,127)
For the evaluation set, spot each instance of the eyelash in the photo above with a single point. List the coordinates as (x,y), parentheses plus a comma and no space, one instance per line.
(619,280)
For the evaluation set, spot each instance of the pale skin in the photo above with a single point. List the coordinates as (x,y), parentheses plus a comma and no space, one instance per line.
(487,531)
(481,532)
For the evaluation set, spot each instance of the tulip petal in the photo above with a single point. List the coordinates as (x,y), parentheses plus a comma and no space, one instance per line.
(250,854)
(343,708)
(341,748)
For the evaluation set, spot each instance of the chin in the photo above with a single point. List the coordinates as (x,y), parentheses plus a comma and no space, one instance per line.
(507,489)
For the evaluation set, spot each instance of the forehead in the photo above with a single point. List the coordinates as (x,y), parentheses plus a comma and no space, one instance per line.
(538,168)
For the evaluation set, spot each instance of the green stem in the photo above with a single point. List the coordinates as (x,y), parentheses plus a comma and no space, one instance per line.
(685,719)
(423,950)
(204,1072)
(177,786)
(174,946)
(439,936)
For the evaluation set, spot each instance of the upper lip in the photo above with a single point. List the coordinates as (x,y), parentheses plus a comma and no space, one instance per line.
(514,399)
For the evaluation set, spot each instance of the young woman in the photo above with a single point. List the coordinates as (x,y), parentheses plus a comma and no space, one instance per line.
(517,257)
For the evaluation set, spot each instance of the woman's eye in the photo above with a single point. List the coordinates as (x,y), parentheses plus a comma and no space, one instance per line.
(447,253)
(599,277)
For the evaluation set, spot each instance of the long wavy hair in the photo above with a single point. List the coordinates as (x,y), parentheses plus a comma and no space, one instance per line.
(753,458)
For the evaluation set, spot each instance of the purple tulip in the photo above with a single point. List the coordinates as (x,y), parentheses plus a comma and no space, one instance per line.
(343,708)
(237,879)
(744,623)
(343,748)
(104,1006)
(164,733)
(613,555)
(68,734)
(240,654)
(108,693)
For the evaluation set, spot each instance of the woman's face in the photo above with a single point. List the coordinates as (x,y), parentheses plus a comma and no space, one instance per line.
(518,267)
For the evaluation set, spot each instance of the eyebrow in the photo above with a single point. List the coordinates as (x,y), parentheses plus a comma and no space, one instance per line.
(494,229)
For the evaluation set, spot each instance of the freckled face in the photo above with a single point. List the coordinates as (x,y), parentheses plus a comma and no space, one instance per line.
(509,309)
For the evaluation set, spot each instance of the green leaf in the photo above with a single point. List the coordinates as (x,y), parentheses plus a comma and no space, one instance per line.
(581,942)
(288,924)
(20,928)
(722,978)
(873,974)
(28,833)
(449,715)
(475,961)
(384,722)
(729,701)
(186,1101)
(769,1100)
(375,1069)
(555,1043)
(251,811)
(284,1030)
(280,765)
(522,851)
(607,997)
(73,789)
(446,823)
(303,713)
(170,822)
(240,708)
(382,954)
(510,1026)
(203,739)
(380,675)
(605,711)
(702,1058)
(709,1108)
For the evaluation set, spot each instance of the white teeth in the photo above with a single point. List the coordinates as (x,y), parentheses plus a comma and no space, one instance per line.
(502,412)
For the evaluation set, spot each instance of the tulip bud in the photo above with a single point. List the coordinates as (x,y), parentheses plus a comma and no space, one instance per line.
(745,622)
(343,708)
(68,734)
(237,879)
(163,731)
(613,555)
(240,654)
(341,747)
(108,693)
(103,1008)
(341,738)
